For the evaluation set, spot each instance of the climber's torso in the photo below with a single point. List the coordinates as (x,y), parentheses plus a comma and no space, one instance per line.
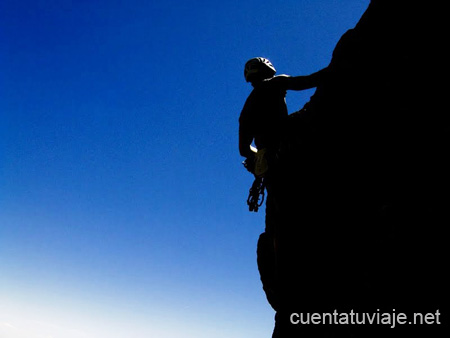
(264,113)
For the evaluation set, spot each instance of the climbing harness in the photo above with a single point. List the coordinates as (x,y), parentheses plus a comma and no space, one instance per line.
(256,194)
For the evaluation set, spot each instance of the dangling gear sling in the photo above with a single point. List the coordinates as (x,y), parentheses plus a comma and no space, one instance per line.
(256,194)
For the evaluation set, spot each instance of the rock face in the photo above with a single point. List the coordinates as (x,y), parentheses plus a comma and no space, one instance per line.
(362,188)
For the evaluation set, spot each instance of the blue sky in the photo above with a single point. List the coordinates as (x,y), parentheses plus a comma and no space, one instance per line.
(122,194)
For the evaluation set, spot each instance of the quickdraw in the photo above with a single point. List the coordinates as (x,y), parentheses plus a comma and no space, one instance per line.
(256,194)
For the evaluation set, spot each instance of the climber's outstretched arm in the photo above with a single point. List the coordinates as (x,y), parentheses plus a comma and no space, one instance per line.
(302,82)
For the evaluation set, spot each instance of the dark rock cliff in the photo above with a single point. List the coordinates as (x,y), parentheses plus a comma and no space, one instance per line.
(361,191)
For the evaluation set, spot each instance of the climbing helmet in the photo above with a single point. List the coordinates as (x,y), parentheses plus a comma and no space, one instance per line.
(258,68)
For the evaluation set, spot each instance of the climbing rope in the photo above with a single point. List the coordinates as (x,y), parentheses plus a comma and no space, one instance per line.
(256,194)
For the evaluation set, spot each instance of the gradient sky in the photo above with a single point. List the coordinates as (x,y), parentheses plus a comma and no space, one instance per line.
(122,194)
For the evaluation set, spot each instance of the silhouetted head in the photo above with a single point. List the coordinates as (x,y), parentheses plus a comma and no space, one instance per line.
(258,69)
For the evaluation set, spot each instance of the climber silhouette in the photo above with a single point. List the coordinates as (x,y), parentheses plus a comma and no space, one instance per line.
(263,119)
(265,112)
